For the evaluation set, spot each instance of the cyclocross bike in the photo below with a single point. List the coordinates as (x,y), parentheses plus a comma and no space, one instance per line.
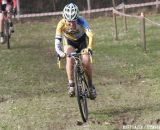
(7,31)
(81,84)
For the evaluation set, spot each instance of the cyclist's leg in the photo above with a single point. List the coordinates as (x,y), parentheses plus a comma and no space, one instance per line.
(88,69)
(9,16)
(2,9)
(69,67)
(86,59)
(1,28)
(69,62)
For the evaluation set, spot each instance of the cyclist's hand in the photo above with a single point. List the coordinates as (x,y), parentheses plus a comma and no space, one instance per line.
(62,54)
(90,51)
(86,51)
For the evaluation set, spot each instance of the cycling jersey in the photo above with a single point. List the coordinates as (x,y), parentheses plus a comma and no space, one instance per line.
(82,28)
(2,2)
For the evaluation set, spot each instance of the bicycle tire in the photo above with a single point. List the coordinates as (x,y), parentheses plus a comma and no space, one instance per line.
(81,94)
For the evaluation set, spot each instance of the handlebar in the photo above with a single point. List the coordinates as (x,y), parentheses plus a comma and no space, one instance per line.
(74,54)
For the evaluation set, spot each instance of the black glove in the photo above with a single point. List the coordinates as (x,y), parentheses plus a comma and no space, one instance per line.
(90,51)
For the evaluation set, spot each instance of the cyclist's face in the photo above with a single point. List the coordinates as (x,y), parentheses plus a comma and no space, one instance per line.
(72,24)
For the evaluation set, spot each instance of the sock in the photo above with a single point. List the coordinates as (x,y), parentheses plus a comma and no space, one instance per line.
(71,81)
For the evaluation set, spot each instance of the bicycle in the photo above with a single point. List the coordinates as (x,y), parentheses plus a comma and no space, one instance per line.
(6,29)
(81,85)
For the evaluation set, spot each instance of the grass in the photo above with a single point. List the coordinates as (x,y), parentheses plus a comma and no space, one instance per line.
(33,93)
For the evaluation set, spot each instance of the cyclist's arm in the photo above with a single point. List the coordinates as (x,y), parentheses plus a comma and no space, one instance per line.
(58,46)
(88,31)
(58,38)
(90,38)
(14,4)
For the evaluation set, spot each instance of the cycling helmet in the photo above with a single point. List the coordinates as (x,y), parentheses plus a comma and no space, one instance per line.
(70,12)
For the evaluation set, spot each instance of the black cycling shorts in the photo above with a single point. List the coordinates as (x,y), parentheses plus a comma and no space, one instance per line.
(79,44)
(3,7)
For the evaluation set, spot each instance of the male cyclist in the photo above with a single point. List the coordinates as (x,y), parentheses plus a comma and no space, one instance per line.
(75,33)
(8,6)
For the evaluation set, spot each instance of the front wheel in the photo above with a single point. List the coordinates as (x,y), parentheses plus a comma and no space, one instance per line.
(81,94)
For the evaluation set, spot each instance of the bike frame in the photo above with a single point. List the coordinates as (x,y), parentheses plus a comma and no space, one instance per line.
(81,84)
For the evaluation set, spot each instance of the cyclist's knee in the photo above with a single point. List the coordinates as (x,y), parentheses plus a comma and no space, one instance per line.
(86,59)
(70,61)
(68,49)
(1,16)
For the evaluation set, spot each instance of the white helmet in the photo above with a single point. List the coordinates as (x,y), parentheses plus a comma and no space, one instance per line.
(70,12)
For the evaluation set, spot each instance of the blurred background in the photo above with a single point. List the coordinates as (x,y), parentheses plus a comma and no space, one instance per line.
(41,6)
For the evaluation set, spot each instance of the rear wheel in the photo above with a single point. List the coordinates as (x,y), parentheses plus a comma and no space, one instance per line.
(81,93)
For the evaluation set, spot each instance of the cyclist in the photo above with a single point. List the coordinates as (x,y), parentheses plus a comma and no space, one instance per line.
(6,5)
(75,33)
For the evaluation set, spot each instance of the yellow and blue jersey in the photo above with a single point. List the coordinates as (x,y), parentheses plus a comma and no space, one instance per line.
(82,28)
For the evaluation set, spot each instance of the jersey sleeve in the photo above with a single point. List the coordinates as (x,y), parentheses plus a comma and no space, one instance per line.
(59,29)
(14,3)
(88,31)
(83,22)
